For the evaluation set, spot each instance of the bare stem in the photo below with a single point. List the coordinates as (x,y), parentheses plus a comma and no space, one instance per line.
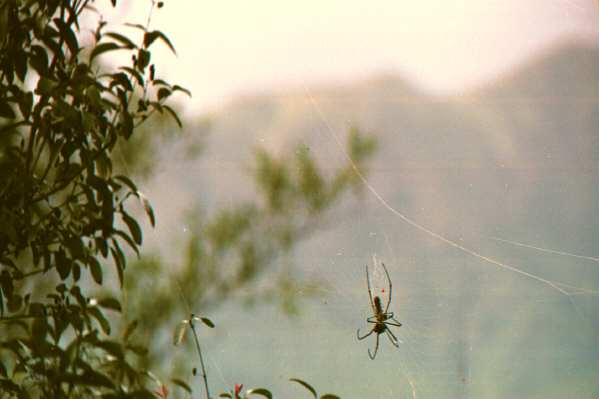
(195,336)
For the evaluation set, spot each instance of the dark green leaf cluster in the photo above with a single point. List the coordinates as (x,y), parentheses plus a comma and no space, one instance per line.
(64,212)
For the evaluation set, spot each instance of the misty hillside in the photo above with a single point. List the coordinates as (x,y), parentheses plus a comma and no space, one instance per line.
(479,159)
(516,159)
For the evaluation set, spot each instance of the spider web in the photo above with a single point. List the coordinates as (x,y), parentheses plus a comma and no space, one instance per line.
(561,287)
(456,315)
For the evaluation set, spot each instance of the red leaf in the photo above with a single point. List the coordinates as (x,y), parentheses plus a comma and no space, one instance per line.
(163,392)
(238,388)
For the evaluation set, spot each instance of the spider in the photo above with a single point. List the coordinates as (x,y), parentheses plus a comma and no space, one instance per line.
(381,319)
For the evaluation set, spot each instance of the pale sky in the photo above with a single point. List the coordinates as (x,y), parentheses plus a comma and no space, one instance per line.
(227,48)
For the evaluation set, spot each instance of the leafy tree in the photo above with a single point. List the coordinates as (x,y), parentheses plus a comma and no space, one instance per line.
(64,211)
(65,205)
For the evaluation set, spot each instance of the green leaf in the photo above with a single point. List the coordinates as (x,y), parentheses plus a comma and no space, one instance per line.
(128,182)
(156,105)
(133,228)
(138,349)
(96,270)
(76,292)
(25,104)
(112,347)
(329,396)
(225,395)
(120,260)
(107,210)
(129,330)
(93,378)
(68,36)
(11,126)
(110,303)
(160,82)
(102,246)
(124,40)
(76,271)
(183,89)
(173,114)
(137,26)
(102,48)
(126,125)
(207,321)
(39,329)
(63,265)
(149,211)
(21,65)
(6,110)
(75,246)
(163,92)
(6,281)
(305,385)
(259,391)
(37,309)
(104,323)
(14,303)
(150,37)
(45,86)
(120,78)
(135,74)
(179,332)
(38,59)
(143,59)
(182,384)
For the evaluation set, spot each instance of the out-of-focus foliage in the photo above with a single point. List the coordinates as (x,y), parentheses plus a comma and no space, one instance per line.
(245,247)
(64,212)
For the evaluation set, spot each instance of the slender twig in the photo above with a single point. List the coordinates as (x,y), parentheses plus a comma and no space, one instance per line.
(195,336)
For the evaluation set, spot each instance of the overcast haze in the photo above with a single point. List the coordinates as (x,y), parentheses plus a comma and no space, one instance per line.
(227,48)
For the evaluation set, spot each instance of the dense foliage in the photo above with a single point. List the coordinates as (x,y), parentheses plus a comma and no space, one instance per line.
(67,227)
(64,212)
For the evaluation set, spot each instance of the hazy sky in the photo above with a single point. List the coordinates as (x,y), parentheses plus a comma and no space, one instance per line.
(227,48)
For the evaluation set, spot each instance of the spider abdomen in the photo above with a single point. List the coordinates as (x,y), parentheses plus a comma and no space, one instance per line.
(379,328)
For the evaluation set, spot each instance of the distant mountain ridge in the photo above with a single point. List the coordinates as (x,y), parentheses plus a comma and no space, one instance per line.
(538,122)
(559,70)
(564,78)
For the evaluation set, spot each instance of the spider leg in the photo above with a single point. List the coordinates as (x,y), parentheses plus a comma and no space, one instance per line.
(363,336)
(396,323)
(392,338)
(376,348)
(390,287)
(369,290)
(389,316)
